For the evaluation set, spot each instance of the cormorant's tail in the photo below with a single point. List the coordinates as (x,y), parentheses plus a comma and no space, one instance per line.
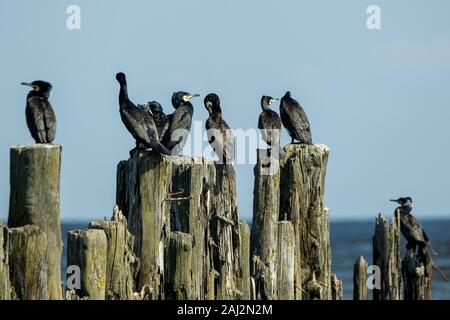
(434,253)
(443,276)
(159,147)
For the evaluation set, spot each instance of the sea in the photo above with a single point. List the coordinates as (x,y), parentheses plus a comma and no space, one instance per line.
(349,240)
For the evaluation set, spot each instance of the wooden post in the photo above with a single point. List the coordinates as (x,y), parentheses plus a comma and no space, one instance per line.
(28,263)
(302,202)
(360,290)
(193,179)
(87,249)
(266,206)
(143,187)
(285,263)
(244,275)
(224,229)
(179,271)
(35,199)
(5,285)
(416,278)
(121,263)
(337,289)
(386,255)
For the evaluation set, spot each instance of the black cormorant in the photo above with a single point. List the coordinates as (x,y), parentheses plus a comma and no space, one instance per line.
(269,123)
(411,228)
(180,122)
(414,233)
(295,120)
(219,133)
(138,121)
(39,113)
(160,118)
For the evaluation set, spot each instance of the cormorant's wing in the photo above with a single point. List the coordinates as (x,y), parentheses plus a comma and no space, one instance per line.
(133,120)
(268,122)
(179,120)
(414,228)
(150,123)
(50,121)
(35,119)
(165,125)
(221,140)
(301,123)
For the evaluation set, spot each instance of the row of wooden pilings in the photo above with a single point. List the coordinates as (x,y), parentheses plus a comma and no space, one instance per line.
(175,232)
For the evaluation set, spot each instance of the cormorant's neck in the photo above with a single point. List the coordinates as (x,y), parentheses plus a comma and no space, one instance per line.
(216,111)
(38,94)
(123,94)
(265,106)
(405,209)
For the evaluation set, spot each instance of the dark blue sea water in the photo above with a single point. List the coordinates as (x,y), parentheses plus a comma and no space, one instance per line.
(349,240)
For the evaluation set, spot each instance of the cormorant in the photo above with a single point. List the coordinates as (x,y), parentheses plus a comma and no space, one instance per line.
(414,233)
(138,121)
(269,123)
(411,228)
(39,113)
(180,121)
(295,120)
(160,118)
(219,133)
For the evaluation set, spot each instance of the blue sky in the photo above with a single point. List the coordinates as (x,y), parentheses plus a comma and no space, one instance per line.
(379,99)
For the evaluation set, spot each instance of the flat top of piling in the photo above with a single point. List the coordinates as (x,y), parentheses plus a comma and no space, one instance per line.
(321,147)
(190,160)
(35,146)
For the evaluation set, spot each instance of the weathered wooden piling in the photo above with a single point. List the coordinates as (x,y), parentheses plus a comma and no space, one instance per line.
(417,276)
(224,230)
(87,249)
(285,261)
(178,261)
(386,255)
(360,290)
(142,189)
(266,206)
(5,285)
(337,289)
(302,186)
(35,199)
(190,212)
(243,280)
(28,263)
(121,264)
(160,195)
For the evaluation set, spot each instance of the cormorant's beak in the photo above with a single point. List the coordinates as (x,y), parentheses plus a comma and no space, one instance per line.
(28,85)
(190,96)
(394,200)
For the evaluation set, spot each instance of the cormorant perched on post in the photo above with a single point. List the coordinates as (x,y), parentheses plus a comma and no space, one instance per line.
(159,117)
(411,228)
(138,122)
(180,121)
(39,113)
(295,120)
(414,233)
(219,133)
(269,123)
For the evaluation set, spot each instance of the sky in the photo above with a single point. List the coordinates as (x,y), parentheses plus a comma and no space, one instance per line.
(378,98)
